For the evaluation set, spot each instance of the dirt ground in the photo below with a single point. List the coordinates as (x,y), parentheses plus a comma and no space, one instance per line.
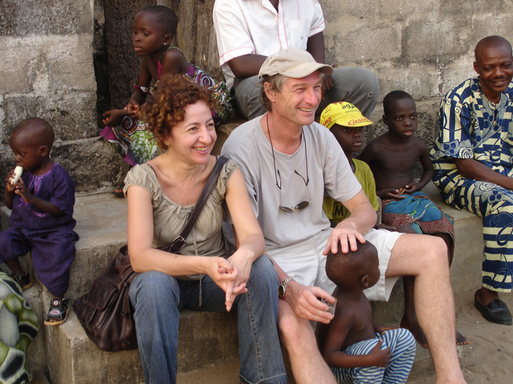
(489,356)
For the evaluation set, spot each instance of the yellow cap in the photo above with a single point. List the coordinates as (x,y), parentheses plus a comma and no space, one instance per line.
(343,113)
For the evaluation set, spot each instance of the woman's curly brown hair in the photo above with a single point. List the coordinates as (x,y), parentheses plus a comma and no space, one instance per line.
(167,106)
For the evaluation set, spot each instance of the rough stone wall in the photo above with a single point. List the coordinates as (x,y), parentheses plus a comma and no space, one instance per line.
(47,71)
(423,47)
(69,61)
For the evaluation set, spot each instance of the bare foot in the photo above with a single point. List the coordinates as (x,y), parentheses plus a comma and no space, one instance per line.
(460,339)
(417,332)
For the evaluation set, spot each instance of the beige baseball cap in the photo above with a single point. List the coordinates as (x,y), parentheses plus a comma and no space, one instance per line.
(292,62)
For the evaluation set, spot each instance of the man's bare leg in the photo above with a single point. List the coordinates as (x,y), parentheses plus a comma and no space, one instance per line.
(298,338)
(425,257)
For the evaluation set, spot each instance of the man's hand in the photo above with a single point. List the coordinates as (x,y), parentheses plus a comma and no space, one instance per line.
(246,66)
(344,234)
(305,302)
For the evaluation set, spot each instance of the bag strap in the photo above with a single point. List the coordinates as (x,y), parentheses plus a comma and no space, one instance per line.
(179,242)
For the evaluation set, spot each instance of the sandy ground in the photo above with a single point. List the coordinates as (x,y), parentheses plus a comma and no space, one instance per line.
(489,356)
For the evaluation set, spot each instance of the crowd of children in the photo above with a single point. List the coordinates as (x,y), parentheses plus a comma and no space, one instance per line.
(358,351)
(392,157)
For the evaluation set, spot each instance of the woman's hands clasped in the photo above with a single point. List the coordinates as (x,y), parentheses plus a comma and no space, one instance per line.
(231,275)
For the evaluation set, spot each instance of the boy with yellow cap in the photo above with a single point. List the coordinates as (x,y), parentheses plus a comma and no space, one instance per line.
(347,124)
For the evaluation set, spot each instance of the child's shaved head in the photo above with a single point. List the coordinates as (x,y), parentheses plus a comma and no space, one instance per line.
(164,16)
(391,97)
(345,269)
(39,131)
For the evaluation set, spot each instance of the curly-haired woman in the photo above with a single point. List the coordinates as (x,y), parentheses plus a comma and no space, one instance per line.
(161,195)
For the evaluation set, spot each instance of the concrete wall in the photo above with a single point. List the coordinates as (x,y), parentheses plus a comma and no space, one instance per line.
(69,61)
(423,47)
(47,71)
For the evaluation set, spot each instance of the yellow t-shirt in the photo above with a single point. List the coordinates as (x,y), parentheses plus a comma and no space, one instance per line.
(335,211)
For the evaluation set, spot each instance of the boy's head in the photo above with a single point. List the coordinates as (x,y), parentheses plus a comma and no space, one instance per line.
(400,114)
(31,141)
(354,270)
(347,124)
(164,18)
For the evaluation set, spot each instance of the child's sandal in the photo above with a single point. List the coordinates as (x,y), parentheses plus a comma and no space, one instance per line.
(58,312)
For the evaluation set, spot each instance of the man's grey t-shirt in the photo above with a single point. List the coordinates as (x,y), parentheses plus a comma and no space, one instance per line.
(328,173)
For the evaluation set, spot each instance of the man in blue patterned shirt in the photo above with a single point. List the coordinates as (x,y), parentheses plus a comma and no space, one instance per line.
(473,161)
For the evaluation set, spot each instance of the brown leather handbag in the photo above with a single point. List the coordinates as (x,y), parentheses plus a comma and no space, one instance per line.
(105,311)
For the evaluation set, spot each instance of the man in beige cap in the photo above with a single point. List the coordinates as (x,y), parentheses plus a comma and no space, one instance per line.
(290,163)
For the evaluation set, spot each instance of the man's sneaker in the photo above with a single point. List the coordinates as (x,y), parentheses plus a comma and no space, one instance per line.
(23,280)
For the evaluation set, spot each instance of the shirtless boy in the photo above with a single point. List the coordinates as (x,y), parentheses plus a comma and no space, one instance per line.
(357,350)
(392,157)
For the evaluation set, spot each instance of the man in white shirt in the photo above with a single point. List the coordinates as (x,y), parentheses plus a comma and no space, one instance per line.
(289,162)
(248,31)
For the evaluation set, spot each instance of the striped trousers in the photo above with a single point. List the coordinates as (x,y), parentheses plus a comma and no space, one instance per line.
(495,205)
(402,345)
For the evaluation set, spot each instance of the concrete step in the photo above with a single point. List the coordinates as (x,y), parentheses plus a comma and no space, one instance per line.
(465,268)
(207,345)
(468,252)
(201,347)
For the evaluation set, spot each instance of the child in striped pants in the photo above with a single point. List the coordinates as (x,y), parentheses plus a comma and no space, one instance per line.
(357,350)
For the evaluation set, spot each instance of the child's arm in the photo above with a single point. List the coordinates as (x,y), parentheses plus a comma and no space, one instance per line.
(427,167)
(43,205)
(173,62)
(138,96)
(115,116)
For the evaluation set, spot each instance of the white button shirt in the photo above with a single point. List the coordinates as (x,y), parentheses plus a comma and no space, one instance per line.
(255,27)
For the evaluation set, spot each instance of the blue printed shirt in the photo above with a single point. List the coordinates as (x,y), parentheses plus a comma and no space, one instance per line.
(472,127)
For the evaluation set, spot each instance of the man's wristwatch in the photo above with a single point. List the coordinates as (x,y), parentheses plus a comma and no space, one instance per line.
(283,287)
